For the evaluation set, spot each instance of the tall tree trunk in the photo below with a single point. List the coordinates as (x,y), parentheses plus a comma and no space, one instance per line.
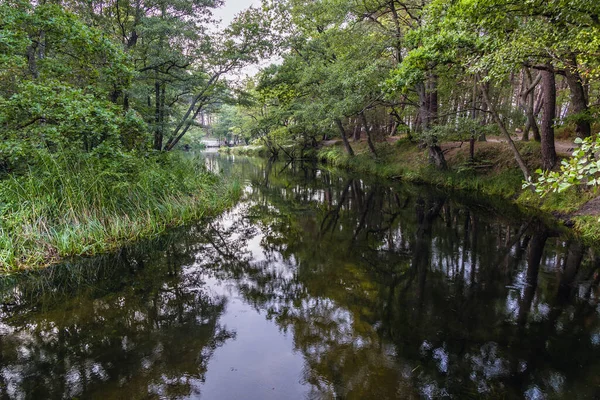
(368,132)
(32,60)
(537,108)
(579,100)
(548,150)
(531,124)
(344,137)
(527,101)
(428,108)
(398,32)
(163,89)
(432,99)
(484,109)
(474,116)
(423,116)
(357,131)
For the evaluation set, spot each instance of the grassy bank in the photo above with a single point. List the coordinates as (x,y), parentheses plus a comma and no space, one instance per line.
(75,204)
(494,172)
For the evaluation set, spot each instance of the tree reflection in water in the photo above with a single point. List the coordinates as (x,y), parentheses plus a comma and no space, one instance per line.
(134,325)
(404,292)
(389,291)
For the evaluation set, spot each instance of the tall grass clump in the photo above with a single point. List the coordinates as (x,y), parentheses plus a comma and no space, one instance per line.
(69,203)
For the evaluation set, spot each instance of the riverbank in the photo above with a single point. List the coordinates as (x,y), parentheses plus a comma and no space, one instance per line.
(75,205)
(494,172)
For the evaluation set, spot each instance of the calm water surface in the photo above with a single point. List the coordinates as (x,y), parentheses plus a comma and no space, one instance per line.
(317,285)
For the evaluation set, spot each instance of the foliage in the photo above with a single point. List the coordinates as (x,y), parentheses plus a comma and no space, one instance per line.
(583,168)
(458,130)
(85,93)
(59,97)
(406,163)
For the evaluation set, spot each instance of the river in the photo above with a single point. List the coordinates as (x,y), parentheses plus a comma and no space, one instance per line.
(317,285)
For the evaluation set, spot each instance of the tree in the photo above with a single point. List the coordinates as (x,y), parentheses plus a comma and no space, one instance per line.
(332,68)
(244,42)
(56,74)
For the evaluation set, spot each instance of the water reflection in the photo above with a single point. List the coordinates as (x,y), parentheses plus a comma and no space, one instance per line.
(142,325)
(384,291)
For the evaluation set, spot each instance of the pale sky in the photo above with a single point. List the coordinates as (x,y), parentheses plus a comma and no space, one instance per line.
(233,7)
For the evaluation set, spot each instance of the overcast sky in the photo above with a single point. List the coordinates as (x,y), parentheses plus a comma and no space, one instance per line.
(233,7)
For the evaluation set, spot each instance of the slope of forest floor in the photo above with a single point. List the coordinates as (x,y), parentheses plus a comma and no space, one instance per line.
(493,172)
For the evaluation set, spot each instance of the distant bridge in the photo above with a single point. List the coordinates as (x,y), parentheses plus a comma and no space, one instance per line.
(211,142)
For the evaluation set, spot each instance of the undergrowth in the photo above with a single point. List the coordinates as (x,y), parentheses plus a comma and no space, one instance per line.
(589,227)
(71,204)
(410,164)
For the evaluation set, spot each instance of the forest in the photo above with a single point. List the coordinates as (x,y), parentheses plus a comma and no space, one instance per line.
(99,97)
(432,72)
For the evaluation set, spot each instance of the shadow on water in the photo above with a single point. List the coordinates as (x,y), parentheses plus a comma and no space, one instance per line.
(369,290)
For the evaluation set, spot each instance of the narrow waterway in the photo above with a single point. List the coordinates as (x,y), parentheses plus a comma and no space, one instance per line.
(317,285)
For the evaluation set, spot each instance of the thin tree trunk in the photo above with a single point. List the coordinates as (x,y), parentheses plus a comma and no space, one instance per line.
(357,131)
(537,108)
(163,90)
(191,113)
(527,101)
(157,131)
(484,109)
(394,128)
(398,32)
(32,60)
(531,120)
(344,137)
(502,127)
(474,115)
(368,132)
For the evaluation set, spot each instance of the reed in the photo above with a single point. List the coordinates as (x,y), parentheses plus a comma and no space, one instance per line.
(67,204)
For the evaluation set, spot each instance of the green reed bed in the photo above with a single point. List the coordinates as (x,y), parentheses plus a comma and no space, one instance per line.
(78,204)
